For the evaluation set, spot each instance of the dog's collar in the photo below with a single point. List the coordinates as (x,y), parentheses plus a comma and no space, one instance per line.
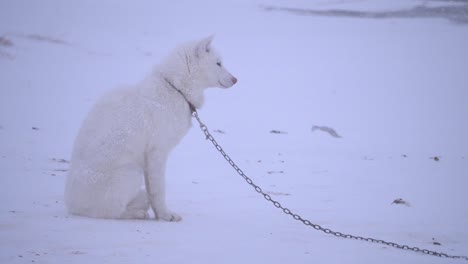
(191,106)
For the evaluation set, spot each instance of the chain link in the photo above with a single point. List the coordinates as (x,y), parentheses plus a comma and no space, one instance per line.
(297,217)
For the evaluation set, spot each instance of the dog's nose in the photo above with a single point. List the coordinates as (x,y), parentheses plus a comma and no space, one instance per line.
(233,80)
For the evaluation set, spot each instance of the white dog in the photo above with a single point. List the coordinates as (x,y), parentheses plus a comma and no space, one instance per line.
(126,139)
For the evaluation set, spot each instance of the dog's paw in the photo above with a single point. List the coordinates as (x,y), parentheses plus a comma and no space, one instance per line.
(142,215)
(136,214)
(170,217)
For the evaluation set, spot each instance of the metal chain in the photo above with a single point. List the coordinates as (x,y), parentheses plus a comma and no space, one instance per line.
(306,222)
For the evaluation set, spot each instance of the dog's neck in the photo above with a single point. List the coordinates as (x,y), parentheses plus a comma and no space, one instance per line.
(191,106)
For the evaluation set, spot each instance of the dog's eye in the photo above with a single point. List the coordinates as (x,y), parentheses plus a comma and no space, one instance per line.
(219,64)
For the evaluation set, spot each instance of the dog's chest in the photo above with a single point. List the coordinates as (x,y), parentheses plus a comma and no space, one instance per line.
(167,122)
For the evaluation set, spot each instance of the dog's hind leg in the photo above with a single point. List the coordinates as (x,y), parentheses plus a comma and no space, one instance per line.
(138,207)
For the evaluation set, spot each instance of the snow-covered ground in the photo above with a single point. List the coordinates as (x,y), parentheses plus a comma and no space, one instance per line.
(395,89)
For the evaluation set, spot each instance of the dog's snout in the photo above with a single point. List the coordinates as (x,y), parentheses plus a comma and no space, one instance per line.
(233,80)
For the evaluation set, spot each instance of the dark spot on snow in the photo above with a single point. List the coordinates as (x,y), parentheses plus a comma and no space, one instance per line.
(35,128)
(34,253)
(435,158)
(194,182)
(61,170)
(60,160)
(434,242)
(400,201)
(326,129)
(275,172)
(259,161)
(47,39)
(404,156)
(12,211)
(278,132)
(6,55)
(77,252)
(219,131)
(5,42)
(455,13)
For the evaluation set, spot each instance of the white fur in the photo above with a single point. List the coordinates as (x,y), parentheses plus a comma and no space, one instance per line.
(118,163)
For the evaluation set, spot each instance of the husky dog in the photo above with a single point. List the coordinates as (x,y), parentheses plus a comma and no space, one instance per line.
(125,140)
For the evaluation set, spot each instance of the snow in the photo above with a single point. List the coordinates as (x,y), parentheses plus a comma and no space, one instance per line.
(394,89)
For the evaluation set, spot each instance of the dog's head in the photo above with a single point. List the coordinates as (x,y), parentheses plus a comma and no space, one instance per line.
(198,64)
(210,68)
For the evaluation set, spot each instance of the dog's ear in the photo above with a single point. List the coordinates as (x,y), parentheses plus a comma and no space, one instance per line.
(204,46)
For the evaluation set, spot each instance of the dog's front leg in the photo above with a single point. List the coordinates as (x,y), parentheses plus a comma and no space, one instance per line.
(155,186)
